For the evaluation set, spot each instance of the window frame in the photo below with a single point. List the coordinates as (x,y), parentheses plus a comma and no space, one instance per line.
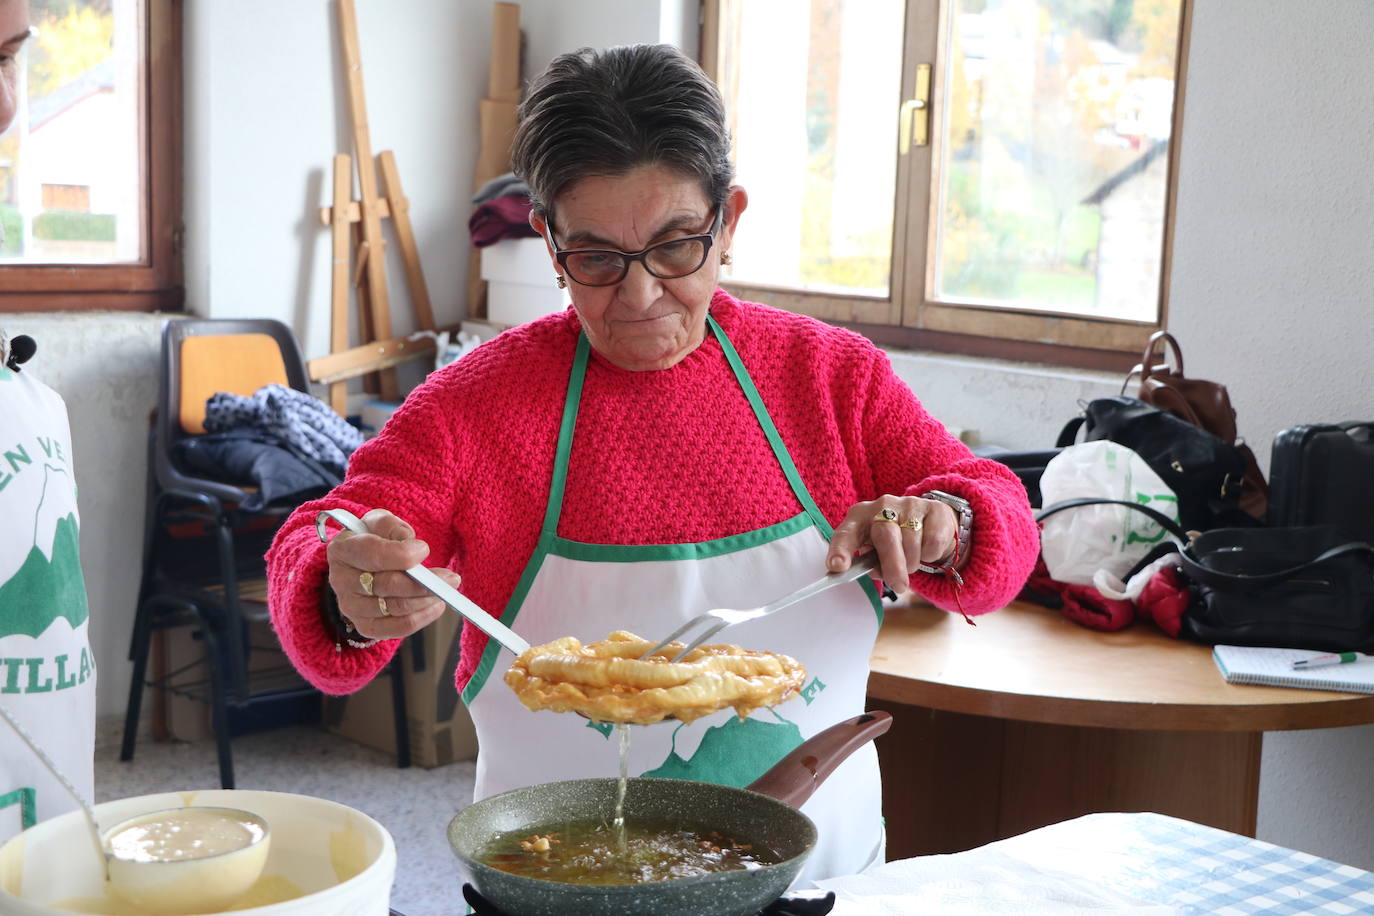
(908,318)
(155,282)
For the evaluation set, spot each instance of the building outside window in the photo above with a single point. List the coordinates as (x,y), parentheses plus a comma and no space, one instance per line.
(89,171)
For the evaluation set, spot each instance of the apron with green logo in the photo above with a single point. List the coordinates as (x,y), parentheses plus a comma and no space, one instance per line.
(47,671)
(589,590)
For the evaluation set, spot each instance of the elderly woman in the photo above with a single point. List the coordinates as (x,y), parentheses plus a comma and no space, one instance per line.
(657,450)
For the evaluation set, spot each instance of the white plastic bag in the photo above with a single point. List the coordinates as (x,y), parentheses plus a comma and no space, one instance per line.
(1078,542)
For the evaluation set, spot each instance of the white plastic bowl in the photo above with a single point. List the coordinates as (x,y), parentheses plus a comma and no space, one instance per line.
(326,859)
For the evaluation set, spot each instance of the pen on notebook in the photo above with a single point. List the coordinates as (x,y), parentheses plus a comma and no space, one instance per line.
(1321,661)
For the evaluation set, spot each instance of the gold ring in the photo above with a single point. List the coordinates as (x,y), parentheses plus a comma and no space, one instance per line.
(886,515)
(365,580)
(381,605)
(915,524)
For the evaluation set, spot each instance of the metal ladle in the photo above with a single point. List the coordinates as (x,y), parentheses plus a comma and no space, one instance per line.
(167,887)
(436,586)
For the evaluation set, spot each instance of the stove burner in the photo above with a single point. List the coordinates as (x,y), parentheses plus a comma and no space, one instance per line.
(783,906)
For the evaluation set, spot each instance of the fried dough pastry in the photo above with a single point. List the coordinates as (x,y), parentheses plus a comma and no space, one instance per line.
(607,681)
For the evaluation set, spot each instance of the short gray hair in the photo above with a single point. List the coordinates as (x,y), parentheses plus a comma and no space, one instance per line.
(605,113)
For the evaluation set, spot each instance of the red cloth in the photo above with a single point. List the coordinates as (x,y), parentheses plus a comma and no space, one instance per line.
(664,457)
(1083,604)
(504,217)
(1164,600)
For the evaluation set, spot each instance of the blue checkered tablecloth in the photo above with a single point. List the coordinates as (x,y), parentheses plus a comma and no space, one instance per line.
(1196,869)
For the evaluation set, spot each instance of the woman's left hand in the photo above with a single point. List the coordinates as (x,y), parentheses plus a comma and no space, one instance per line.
(905,530)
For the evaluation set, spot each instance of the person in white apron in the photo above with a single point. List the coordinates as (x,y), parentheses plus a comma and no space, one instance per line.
(449,479)
(588,590)
(47,670)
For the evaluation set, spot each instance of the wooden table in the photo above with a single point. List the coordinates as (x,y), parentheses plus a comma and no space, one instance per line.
(1028,719)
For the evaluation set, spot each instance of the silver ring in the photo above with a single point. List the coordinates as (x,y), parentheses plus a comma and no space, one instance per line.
(365,580)
(381,605)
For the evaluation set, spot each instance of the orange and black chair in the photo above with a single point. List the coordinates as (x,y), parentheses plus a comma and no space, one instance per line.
(203,553)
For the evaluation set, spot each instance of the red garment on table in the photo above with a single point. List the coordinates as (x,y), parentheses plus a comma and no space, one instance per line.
(1083,604)
(1164,600)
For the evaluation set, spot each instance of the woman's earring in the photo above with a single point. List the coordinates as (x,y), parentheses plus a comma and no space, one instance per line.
(726,259)
(562,284)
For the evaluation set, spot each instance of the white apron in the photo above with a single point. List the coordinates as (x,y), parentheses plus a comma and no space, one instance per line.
(588,590)
(47,671)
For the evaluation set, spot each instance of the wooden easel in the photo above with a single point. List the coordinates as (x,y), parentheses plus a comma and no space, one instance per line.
(356,231)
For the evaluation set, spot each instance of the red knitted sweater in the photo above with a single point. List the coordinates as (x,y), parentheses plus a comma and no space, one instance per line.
(659,457)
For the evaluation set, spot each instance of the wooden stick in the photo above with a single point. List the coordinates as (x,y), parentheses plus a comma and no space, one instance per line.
(371,383)
(339,285)
(400,219)
(368,357)
(359,269)
(355,212)
(378,304)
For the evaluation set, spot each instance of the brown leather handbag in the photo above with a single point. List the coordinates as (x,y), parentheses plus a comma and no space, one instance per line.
(1203,403)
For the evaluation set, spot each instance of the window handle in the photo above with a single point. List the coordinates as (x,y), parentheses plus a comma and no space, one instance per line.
(914,121)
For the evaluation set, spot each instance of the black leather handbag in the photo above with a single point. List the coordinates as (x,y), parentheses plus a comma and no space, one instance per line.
(1202,470)
(1299,588)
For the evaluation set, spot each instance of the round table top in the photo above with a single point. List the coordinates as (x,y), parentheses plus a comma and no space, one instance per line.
(1032,664)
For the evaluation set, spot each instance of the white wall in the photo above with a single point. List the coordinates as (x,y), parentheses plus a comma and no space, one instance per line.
(554,27)
(266,110)
(1271,286)
(1273,292)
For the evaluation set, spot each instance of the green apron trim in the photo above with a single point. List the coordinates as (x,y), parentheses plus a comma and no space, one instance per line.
(547,533)
(549,542)
(874,598)
(784,458)
(769,430)
(26,797)
(565,436)
(633,553)
(517,598)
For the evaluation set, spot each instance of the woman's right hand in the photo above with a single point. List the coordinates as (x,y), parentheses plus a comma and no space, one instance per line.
(367,573)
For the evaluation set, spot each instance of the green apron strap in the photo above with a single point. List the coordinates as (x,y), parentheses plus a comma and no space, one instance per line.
(565,437)
(769,430)
(549,532)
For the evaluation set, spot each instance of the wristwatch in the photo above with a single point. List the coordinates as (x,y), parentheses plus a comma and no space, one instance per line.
(963,539)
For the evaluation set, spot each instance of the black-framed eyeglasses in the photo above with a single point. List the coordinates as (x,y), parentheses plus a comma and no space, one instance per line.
(668,260)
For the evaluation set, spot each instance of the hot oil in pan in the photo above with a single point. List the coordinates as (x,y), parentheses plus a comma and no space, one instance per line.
(589,852)
(594,852)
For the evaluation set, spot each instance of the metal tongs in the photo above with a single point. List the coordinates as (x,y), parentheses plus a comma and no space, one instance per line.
(719,618)
(436,586)
(714,620)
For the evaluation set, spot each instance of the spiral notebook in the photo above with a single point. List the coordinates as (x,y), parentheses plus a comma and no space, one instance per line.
(1274,668)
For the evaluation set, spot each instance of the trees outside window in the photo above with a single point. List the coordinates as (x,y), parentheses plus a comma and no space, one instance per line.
(90,196)
(984,176)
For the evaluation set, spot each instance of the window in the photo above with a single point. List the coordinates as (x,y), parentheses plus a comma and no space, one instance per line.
(983,176)
(90,196)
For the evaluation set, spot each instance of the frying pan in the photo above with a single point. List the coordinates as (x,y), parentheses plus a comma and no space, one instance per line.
(765,812)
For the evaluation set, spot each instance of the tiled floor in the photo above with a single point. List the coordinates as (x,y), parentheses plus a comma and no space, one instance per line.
(414,804)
